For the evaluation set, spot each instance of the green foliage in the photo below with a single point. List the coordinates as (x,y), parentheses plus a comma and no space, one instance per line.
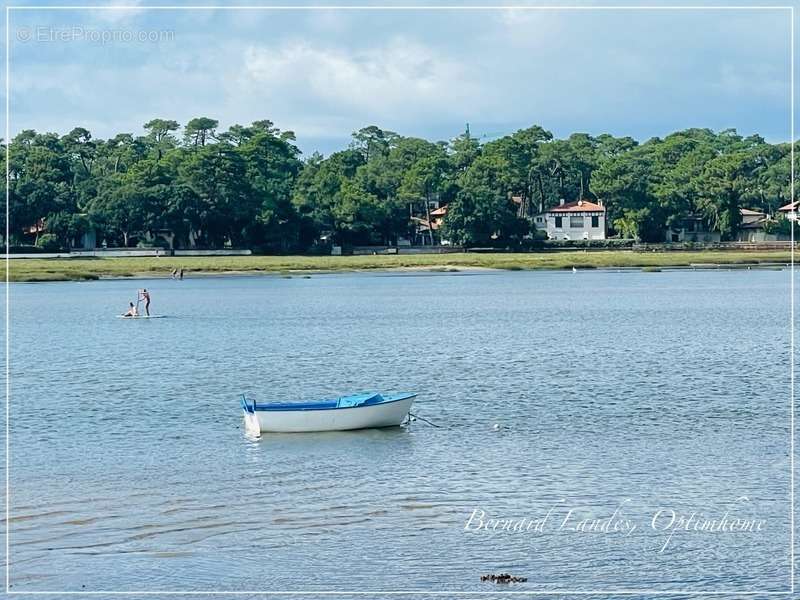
(482,213)
(48,242)
(248,186)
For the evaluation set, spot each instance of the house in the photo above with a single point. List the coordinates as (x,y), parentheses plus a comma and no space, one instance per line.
(789,210)
(753,227)
(86,241)
(750,216)
(437,216)
(691,228)
(425,230)
(757,226)
(579,220)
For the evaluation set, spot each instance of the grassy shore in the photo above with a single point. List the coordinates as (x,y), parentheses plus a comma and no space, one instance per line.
(94,268)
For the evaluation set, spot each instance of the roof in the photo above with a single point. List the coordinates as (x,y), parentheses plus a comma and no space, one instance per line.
(439,212)
(754,224)
(578,206)
(424,225)
(792,206)
(37,227)
(750,212)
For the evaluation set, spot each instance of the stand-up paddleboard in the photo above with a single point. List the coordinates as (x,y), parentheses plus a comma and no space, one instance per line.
(143,317)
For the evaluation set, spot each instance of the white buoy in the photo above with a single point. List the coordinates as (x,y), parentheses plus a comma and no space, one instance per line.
(496,427)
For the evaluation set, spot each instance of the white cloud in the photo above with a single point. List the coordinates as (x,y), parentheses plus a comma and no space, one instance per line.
(326,74)
(400,77)
(119,10)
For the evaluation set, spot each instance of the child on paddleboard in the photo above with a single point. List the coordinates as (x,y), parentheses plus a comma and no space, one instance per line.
(132,312)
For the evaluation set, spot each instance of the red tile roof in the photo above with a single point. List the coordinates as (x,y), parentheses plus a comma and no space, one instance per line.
(579,206)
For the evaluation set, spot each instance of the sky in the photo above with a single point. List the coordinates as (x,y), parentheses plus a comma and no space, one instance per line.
(327,72)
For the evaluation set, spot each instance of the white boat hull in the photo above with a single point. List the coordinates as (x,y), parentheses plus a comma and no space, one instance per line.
(388,414)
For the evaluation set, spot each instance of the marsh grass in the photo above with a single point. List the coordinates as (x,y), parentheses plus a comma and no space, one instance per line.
(92,268)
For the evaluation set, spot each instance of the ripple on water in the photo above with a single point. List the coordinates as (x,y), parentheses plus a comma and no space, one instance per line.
(130,468)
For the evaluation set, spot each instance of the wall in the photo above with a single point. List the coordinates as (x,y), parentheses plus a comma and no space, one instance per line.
(565,232)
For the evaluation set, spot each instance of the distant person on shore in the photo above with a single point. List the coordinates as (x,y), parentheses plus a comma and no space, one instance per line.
(132,312)
(174,274)
(180,274)
(145,295)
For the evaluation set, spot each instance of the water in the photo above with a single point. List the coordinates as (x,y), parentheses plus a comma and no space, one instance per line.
(130,470)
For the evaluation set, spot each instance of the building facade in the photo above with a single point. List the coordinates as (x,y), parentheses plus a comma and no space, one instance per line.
(579,220)
(691,228)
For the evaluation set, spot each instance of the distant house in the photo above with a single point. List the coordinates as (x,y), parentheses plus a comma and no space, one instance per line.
(753,226)
(750,216)
(691,228)
(425,229)
(790,210)
(579,220)
(437,216)
(86,241)
(757,226)
(35,229)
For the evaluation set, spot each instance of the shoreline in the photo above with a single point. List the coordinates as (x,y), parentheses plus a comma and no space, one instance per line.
(30,270)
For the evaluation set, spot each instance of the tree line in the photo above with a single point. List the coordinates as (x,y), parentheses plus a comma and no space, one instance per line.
(249,186)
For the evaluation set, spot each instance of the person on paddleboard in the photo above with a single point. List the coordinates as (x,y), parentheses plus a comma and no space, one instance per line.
(132,312)
(145,295)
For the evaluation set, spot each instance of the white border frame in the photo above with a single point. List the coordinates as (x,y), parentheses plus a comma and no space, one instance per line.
(619,592)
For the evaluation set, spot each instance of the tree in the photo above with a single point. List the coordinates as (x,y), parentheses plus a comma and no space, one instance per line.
(272,166)
(373,142)
(423,182)
(725,185)
(160,134)
(217,176)
(41,180)
(198,131)
(483,213)
(318,189)
(119,209)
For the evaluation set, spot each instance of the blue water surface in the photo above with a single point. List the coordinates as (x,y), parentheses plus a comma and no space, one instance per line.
(587,392)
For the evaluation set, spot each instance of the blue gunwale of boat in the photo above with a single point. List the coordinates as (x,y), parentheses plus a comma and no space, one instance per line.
(333,404)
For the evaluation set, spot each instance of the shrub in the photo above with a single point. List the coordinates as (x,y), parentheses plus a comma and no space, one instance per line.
(23,249)
(48,243)
(563,244)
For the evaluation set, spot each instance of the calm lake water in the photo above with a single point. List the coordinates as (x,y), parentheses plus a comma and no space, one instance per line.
(666,391)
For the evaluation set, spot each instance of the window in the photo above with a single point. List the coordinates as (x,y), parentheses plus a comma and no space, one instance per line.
(559,223)
(690,226)
(595,221)
(539,219)
(576,222)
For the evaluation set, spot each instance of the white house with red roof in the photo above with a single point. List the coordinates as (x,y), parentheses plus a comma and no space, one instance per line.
(579,220)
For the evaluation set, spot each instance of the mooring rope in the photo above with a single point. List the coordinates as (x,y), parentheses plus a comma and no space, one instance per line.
(410,414)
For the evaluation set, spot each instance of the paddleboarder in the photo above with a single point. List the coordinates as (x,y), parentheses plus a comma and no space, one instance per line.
(145,295)
(132,312)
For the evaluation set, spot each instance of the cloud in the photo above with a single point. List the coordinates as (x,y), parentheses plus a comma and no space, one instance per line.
(402,76)
(119,11)
(325,74)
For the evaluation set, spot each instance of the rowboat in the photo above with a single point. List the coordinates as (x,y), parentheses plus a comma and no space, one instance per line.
(359,411)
